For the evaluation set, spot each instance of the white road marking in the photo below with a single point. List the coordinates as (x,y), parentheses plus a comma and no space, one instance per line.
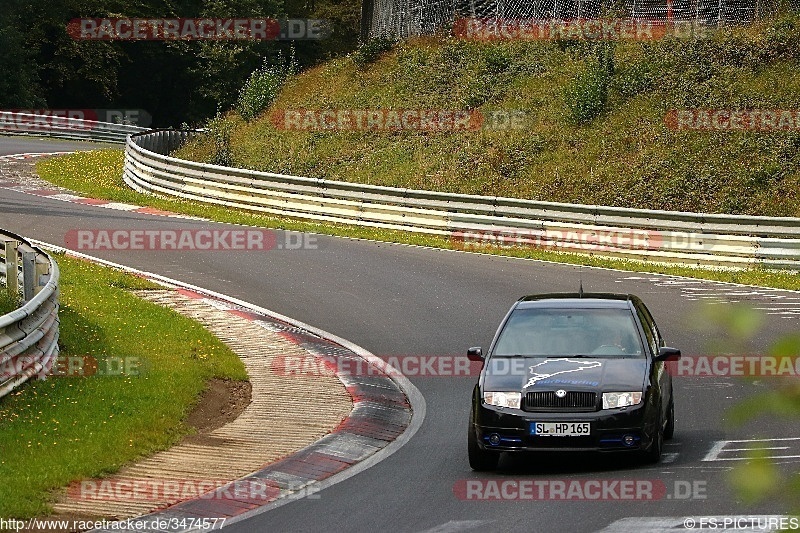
(754,449)
(67,197)
(720,447)
(777,302)
(747,458)
(120,206)
(715,450)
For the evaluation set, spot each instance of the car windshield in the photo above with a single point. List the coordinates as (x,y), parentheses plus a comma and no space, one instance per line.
(570,332)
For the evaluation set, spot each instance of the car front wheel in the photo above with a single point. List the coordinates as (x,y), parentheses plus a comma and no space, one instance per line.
(669,430)
(652,454)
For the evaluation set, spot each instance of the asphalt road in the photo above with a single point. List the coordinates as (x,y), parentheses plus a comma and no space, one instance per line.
(402,300)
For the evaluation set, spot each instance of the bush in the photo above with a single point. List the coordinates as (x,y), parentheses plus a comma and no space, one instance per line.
(263,86)
(371,50)
(219,128)
(498,59)
(587,95)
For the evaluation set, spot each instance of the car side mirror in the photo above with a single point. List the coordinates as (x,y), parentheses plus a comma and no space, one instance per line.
(475,354)
(666,353)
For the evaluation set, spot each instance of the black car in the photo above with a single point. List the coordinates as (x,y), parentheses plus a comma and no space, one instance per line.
(573,372)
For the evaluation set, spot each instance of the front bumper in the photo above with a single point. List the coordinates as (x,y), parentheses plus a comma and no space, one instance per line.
(503,429)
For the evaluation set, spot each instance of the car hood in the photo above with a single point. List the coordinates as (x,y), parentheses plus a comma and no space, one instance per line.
(550,373)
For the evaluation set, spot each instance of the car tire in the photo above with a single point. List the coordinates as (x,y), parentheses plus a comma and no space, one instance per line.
(652,454)
(480,460)
(669,430)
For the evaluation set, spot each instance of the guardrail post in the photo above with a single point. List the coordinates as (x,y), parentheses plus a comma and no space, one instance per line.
(28,274)
(12,269)
(42,272)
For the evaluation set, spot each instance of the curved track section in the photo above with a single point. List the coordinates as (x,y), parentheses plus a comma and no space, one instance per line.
(409,301)
(388,410)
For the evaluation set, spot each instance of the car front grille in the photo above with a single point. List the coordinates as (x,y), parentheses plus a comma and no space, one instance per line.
(548,401)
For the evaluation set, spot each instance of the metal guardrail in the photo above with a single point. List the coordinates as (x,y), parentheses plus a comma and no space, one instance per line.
(65,128)
(28,335)
(473,221)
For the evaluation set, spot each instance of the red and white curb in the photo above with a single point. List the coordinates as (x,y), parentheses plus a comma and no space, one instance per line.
(64,195)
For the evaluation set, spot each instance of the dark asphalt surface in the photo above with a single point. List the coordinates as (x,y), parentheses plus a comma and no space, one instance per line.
(18,144)
(401,300)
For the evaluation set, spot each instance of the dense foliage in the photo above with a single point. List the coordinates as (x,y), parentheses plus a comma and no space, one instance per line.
(177,81)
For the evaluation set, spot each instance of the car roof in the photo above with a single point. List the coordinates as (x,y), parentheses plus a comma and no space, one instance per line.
(577,300)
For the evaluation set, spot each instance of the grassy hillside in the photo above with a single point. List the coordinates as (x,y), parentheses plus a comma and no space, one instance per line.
(624,156)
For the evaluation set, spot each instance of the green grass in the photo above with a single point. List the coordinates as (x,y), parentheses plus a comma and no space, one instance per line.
(7,302)
(65,428)
(98,174)
(626,156)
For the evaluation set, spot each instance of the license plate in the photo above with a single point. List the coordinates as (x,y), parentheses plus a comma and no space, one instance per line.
(560,429)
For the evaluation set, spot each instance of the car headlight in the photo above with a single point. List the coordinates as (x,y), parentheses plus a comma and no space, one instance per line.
(612,400)
(503,399)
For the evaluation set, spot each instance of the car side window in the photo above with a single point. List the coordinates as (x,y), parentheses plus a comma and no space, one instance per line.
(649,326)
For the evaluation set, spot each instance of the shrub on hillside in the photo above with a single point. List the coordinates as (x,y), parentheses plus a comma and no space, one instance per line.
(371,50)
(219,129)
(587,96)
(263,86)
